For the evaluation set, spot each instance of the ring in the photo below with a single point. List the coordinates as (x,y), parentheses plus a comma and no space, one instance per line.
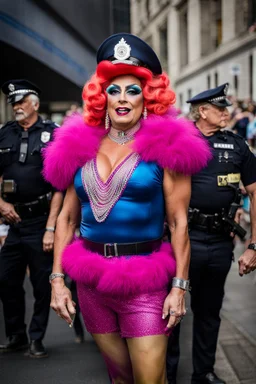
(172,313)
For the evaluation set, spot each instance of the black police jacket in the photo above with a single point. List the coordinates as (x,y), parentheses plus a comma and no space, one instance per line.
(27,174)
(232,161)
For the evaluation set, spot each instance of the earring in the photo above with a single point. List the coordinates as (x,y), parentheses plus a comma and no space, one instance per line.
(145,113)
(107,121)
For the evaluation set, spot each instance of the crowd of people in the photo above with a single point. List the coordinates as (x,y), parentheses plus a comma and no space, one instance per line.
(125,208)
(243,120)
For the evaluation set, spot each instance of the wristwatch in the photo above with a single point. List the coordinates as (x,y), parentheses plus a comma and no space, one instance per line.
(252,246)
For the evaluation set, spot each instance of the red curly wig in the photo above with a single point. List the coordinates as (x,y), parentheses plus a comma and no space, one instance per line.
(158,96)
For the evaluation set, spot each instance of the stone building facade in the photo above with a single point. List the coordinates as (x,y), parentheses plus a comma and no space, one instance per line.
(201,43)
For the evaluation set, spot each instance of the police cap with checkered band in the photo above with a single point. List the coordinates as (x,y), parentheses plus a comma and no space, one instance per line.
(216,96)
(17,89)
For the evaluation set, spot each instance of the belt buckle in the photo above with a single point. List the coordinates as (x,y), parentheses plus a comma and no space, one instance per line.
(108,250)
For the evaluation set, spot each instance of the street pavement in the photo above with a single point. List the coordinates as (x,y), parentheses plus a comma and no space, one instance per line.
(71,363)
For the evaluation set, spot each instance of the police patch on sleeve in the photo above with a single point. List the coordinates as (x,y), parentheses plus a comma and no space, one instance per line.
(45,136)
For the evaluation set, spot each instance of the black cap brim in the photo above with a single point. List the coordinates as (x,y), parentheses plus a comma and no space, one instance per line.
(18,97)
(221,103)
(14,98)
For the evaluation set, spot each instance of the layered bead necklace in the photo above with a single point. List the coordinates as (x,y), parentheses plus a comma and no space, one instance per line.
(104,195)
(123,137)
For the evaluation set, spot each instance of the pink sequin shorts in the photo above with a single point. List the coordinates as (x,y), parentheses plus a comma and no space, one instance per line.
(136,316)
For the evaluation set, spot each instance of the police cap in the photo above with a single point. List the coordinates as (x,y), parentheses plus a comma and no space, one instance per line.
(129,49)
(216,96)
(19,88)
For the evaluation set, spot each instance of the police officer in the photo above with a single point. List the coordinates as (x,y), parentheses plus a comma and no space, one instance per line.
(214,201)
(30,206)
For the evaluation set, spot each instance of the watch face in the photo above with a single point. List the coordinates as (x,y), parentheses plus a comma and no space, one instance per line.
(252,246)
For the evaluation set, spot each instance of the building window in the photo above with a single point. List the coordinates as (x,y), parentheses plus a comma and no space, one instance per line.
(216,79)
(183,36)
(252,14)
(217,21)
(245,11)
(181,99)
(208,81)
(121,16)
(163,46)
(236,84)
(211,27)
(147,9)
(251,76)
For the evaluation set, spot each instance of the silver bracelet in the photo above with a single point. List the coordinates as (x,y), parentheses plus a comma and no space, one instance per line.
(54,275)
(180,283)
(50,229)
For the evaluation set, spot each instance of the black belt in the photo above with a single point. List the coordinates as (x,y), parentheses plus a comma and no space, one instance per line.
(123,249)
(211,223)
(38,207)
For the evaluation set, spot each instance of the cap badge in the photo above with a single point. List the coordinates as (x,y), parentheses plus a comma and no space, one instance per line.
(226,89)
(45,136)
(11,87)
(122,50)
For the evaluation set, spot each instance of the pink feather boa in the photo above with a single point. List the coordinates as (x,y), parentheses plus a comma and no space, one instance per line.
(120,276)
(172,143)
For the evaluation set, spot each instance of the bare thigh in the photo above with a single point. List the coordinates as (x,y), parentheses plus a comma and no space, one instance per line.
(148,357)
(116,355)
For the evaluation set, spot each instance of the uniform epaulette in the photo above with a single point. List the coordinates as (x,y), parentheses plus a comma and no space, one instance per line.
(13,122)
(49,122)
(7,126)
(233,134)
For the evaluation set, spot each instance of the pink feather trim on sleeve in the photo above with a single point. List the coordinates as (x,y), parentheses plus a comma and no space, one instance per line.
(74,144)
(173,143)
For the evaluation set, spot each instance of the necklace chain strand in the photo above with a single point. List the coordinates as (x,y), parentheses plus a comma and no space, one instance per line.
(123,137)
(103,196)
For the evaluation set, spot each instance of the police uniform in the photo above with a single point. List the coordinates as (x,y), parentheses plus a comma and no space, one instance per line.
(214,200)
(24,186)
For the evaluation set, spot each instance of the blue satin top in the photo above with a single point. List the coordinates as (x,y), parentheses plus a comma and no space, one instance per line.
(137,216)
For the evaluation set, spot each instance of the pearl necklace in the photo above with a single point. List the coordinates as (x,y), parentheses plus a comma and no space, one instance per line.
(123,137)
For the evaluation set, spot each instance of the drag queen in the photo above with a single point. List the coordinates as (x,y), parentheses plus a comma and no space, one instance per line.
(126,165)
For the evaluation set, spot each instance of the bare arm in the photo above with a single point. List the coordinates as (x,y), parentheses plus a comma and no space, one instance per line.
(56,204)
(247,261)
(177,192)
(55,207)
(66,224)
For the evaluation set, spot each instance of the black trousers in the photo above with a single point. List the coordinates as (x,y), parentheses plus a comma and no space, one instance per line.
(22,248)
(211,257)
